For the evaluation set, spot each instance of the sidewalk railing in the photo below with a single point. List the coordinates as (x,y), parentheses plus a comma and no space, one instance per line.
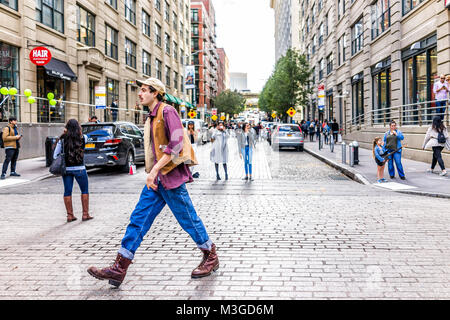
(413,114)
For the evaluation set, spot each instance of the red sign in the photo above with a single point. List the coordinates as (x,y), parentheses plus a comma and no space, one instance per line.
(40,56)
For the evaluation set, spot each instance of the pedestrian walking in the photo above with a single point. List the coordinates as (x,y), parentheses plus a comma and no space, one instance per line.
(318,129)
(72,142)
(393,142)
(312,131)
(11,143)
(378,152)
(167,155)
(440,89)
(114,109)
(246,144)
(335,130)
(326,130)
(137,112)
(193,138)
(437,139)
(219,151)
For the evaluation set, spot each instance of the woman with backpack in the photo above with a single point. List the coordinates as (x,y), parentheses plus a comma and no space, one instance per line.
(437,138)
(72,143)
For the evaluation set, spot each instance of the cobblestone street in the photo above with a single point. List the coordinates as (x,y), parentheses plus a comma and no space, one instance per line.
(300,230)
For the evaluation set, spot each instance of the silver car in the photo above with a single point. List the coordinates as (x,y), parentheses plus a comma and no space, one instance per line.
(287,135)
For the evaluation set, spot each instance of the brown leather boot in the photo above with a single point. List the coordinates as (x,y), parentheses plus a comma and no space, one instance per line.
(210,263)
(69,209)
(85,205)
(115,274)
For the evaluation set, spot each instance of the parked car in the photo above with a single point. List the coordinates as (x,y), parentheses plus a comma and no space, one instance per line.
(268,131)
(201,127)
(119,144)
(287,135)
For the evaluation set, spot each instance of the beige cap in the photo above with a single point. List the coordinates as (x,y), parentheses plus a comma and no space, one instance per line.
(153,82)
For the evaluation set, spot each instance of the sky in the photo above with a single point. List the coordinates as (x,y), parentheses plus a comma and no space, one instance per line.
(245,29)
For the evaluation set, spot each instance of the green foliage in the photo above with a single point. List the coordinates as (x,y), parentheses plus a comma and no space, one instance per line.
(230,102)
(288,86)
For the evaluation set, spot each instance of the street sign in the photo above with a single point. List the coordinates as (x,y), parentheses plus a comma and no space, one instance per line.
(214,111)
(40,56)
(274,115)
(222,118)
(321,97)
(192,114)
(291,112)
(100,97)
(214,117)
(189,76)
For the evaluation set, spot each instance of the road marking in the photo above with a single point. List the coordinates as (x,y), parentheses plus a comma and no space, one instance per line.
(10,182)
(394,186)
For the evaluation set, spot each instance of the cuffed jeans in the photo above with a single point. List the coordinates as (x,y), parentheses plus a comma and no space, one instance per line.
(247,152)
(150,205)
(11,155)
(397,158)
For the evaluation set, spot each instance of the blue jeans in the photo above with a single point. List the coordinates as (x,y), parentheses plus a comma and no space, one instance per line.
(440,108)
(82,180)
(397,158)
(150,205)
(247,152)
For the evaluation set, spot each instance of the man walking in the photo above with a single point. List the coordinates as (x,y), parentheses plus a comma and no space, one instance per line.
(11,143)
(335,130)
(114,109)
(165,162)
(440,90)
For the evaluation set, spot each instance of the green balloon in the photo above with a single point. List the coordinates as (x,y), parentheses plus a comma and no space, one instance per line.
(4,91)
(12,91)
(50,96)
(52,102)
(31,100)
(27,92)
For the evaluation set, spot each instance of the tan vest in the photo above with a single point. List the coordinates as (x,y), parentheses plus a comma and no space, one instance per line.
(186,156)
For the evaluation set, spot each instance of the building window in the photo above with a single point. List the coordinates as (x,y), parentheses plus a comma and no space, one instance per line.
(51,13)
(167,41)
(182,56)
(381,88)
(307,25)
(342,44)
(112,93)
(187,12)
(167,13)
(86,27)
(330,104)
(167,76)
(358,98)
(111,42)
(330,63)
(308,52)
(9,77)
(194,15)
(175,80)
(130,53)
(130,11)
(145,23)
(195,44)
(321,34)
(320,5)
(158,66)
(175,50)
(381,17)
(357,36)
(194,28)
(313,73)
(313,15)
(321,68)
(175,21)
(314,41)
(112,3)
(340,9)
(146,63)
(408,5)
(10,3)
(158,5)
(420,72)
(181,30)
(45,84)
(158,34)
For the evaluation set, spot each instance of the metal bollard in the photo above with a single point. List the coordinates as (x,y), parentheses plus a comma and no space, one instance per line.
(350,158)
(343,145)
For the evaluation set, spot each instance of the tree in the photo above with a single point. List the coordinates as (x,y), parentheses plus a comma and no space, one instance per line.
(230,102)
(288,85)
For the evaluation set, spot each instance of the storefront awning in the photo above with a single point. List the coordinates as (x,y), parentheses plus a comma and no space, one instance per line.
(60,69)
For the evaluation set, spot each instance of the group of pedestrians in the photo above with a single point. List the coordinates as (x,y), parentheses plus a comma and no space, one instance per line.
(316,127)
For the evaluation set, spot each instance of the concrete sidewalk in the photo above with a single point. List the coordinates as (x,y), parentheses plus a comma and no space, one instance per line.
(29,169)
(418,181)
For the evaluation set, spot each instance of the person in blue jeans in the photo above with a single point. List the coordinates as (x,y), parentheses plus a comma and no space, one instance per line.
(73,148)
(246,144)
(167,157)
(393,141)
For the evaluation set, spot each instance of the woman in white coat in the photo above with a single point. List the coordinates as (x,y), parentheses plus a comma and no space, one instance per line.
(219,151)
(436,139)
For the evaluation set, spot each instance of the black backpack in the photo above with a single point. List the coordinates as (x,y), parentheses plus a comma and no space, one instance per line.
(2,144)
(441,137)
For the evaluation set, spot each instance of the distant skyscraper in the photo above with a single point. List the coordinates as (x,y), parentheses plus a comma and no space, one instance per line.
(238,81)
(283,26)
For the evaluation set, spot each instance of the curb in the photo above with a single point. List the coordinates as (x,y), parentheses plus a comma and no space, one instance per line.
(351,173)
(354,175)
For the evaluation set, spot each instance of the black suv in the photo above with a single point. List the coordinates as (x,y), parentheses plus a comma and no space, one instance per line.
(113,144)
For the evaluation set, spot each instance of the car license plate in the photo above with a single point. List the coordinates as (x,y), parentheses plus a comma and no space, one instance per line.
(90,146)
(289,135)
